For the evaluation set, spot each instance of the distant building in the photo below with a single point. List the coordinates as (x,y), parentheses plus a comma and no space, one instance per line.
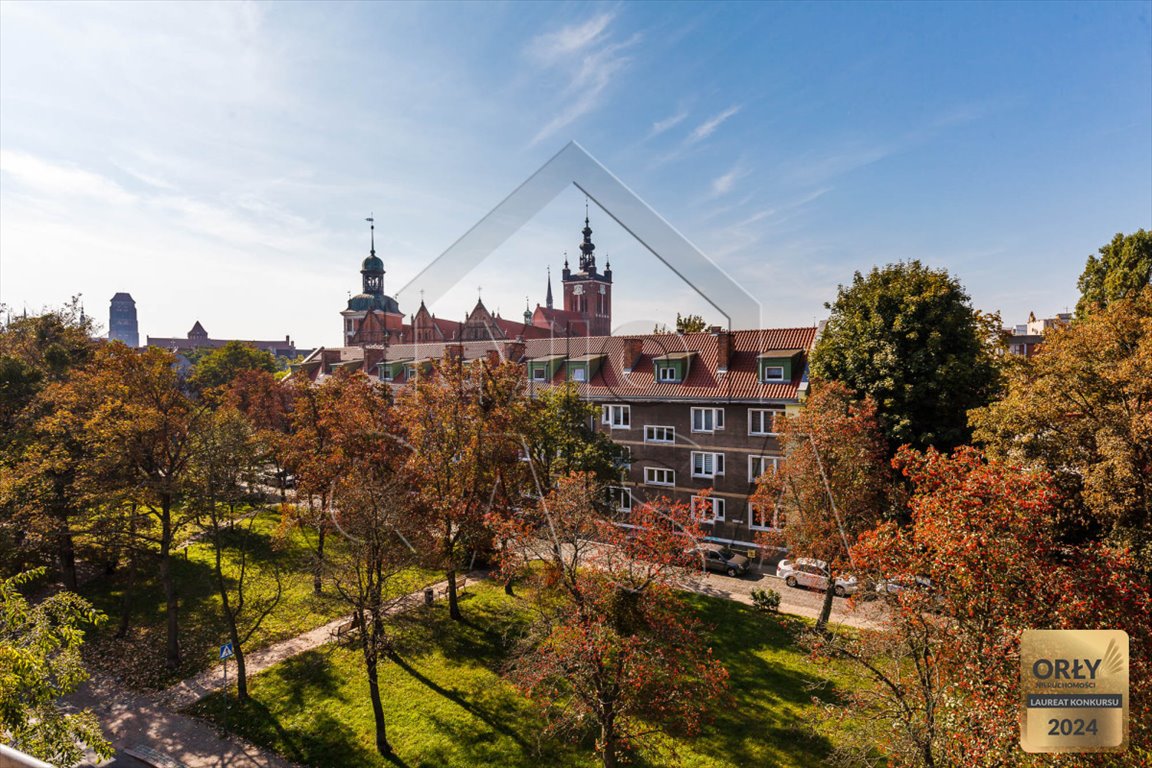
(122,325)
(198,339)
(1025,338)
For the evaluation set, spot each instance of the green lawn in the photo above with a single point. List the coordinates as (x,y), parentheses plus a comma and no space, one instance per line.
(446,704)
(139,658)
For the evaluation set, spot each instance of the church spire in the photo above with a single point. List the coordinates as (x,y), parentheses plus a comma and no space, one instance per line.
(587,257)
(548,299)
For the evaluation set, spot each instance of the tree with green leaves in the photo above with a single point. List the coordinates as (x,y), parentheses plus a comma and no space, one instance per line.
(221,366)
(40,662)
(907,335)
(1123,270)
(561,439)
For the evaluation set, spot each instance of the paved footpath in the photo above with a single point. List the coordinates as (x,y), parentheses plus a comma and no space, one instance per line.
(149,725)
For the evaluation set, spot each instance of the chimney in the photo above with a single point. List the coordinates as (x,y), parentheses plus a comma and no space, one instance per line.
(723,351)
(514,350)
(632,349)
(455,352)
(372,356)
(492,357)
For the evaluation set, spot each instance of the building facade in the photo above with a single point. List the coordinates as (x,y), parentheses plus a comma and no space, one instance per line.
(197,338)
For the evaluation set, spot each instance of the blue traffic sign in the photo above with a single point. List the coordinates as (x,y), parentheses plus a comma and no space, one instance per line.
(226,651)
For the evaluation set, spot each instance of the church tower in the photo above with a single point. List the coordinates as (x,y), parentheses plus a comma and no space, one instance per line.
(587,292)
(371,316)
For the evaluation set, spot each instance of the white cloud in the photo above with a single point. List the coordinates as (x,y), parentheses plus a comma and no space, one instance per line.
(660,126)
(722,185)
(589,61)
(709,126)
(59,180)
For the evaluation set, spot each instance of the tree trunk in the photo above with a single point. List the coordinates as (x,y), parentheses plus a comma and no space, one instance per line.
(229,615)
(508,587)
(370,659)
(66,557)
(166,577)
(826,609)
(453,604)
(126,599)
(318,568)
(608,739)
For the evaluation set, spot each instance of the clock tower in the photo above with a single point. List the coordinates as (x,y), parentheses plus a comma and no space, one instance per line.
(588,293)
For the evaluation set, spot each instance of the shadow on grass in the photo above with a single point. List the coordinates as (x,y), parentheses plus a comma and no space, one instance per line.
(495,721)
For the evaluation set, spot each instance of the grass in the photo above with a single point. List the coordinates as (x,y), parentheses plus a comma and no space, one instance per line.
(139,658)
(447,705)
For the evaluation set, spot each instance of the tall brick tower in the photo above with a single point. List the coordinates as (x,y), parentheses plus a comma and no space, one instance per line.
(122,325)
(588,292)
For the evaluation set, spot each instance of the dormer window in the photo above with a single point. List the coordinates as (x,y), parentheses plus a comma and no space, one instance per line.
(777,365)
(668,373)
(538,373)
(773,373)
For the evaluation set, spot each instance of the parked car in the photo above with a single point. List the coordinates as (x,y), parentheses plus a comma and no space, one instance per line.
(898,584)
(806,572)
(718,558)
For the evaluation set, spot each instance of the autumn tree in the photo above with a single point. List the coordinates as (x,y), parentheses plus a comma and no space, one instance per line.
(39,441)
(1080,409)
(40,662)
(945,662)
(1123,271)
(462,423)
(907,335)
(372,508)
(141,437)
(612,647)
(833,482)
(222,470)
(307,452)
(267,404)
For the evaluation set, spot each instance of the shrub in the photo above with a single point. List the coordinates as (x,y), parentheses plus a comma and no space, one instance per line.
(766,599)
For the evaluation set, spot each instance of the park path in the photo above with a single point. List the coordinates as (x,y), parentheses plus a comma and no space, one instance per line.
(146,729)
(187,692)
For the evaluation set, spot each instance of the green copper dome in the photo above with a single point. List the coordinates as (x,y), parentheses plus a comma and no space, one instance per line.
(362,302)
(372,264)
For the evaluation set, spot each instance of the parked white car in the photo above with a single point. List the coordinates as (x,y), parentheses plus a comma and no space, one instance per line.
(806,572)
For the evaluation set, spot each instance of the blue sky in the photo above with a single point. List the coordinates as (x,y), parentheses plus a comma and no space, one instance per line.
(217,161)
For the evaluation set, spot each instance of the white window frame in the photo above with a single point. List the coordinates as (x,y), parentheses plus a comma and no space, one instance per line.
(539,373)
(623,493)
(616,416)
(667,373)
(776,522)
(386,374)
(579,373)
(669,475)
(717,504)
(752,460)
(711,464)
(765,378)
(717,420)
(650,434)
(757,415)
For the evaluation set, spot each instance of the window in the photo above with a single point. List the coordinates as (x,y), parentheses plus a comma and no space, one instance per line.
(707,508)
(758,465)
(707,419)
(659,476)
(668,373)
(538,373)
(762,421)
(579,374)
(761,518)
(773,373)
(621,498)
(616,416)
(625,460)
(410,372)
(653,434)
(386,374)
(707,464)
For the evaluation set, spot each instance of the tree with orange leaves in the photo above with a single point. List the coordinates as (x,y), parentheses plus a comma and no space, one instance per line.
(833,483)
(612,646)
(980,562)
(462,423)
